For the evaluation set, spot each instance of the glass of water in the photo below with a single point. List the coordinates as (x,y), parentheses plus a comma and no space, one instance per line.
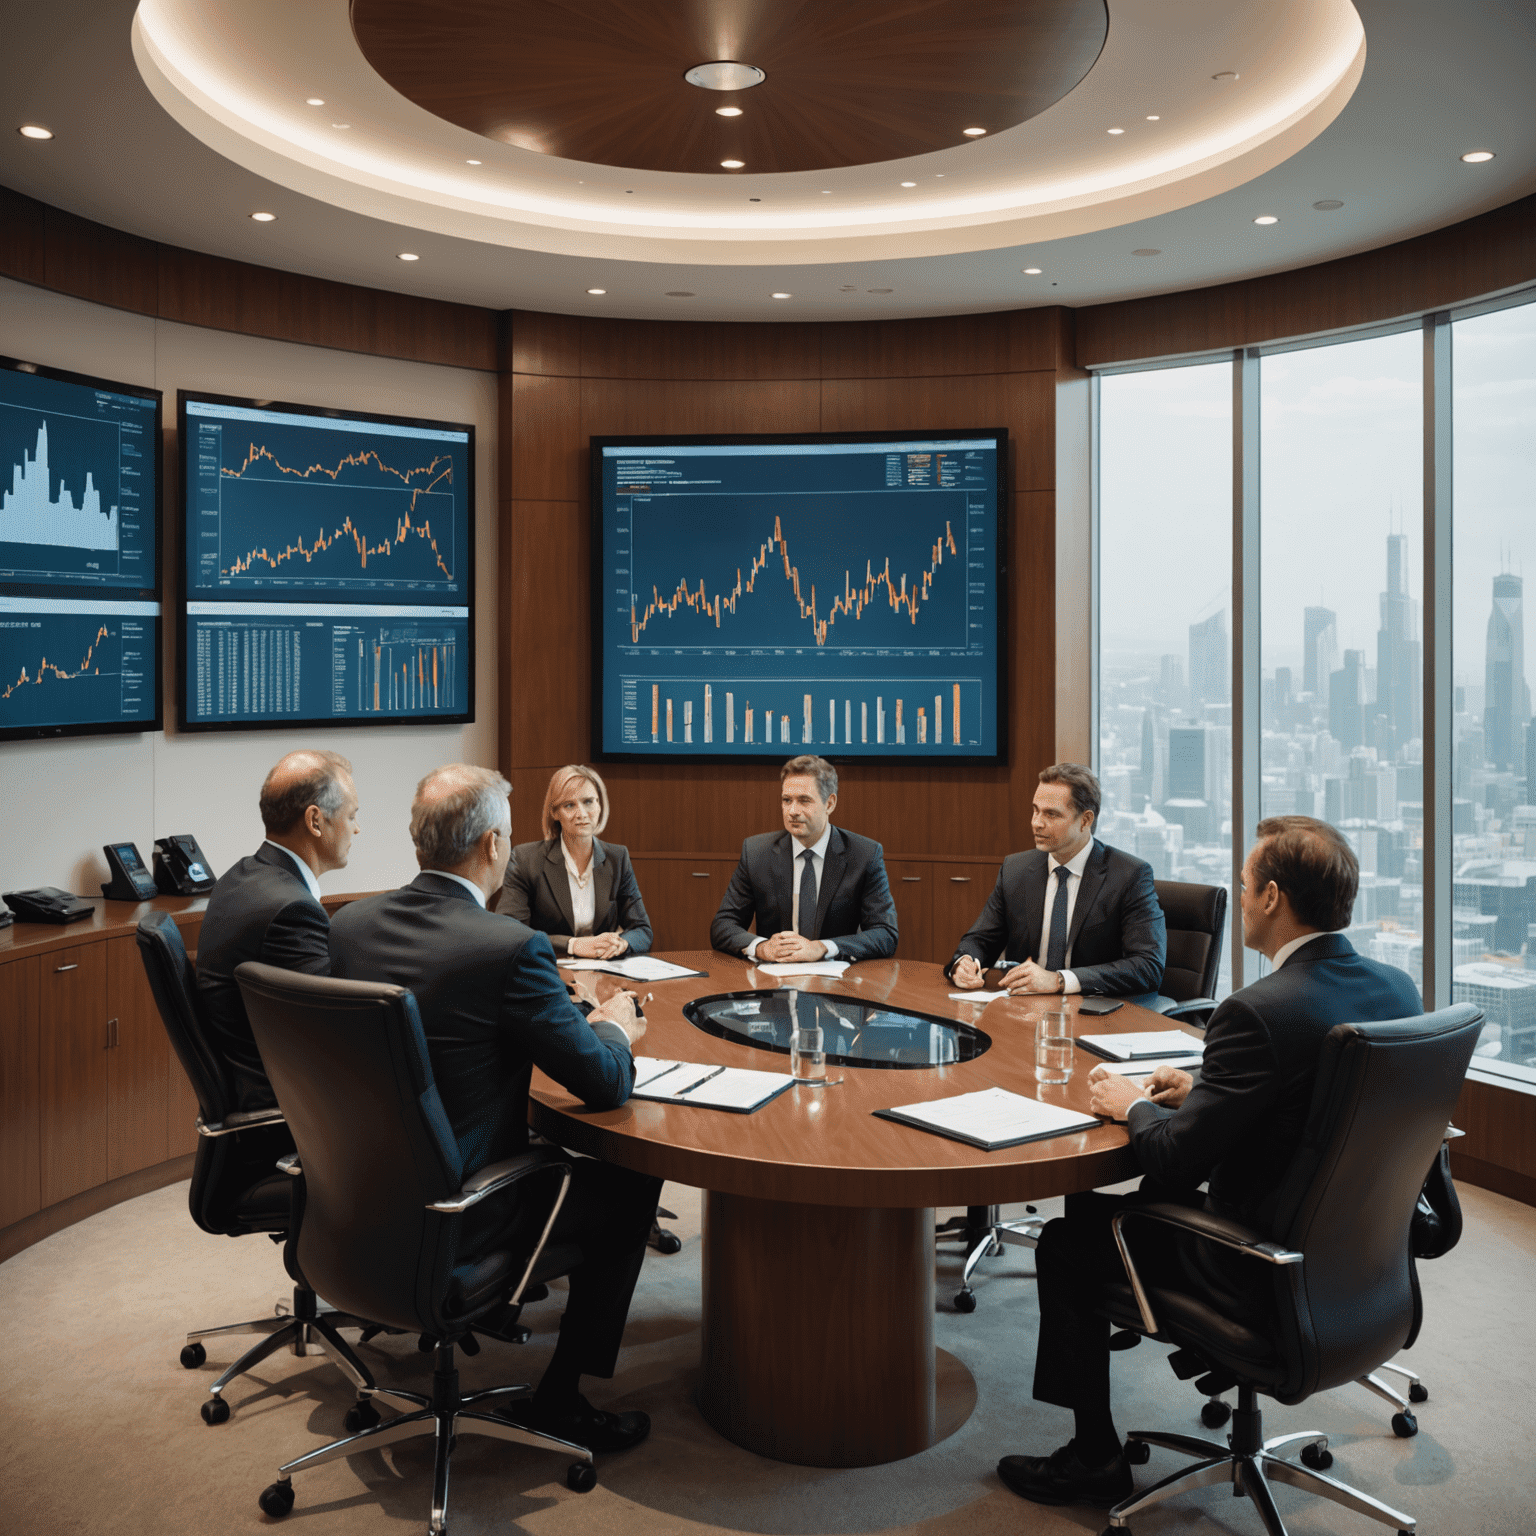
(1053,1047)
(807,1054)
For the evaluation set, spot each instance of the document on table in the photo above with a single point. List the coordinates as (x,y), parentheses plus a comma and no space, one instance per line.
(804,967)
(1138,1047)
(980,996)
(1145,1067)
(739,1089)
(634,967)
(991,1118)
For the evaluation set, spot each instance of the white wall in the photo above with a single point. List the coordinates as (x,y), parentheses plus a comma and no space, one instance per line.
(61,800)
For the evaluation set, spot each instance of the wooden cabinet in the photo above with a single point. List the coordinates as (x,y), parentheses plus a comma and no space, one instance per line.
(912,889)
(138,1062)
(682,896)
(960,891)
(20,1186)
(73,1055)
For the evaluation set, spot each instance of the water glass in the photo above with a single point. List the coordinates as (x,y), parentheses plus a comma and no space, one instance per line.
(1053,1047)
(807,1053)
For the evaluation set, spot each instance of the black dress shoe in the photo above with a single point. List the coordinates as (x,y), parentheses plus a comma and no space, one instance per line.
(1061,1478)
(582,1425)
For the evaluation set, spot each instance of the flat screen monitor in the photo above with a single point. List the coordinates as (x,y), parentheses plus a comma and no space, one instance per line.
(79,554)
(327,566)
(755,598)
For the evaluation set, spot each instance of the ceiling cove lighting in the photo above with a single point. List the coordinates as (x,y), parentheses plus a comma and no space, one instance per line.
(1266,218)
(1031,271)
(973,133)
(598,291)
(1114,130)
(37,131)
(265,218)
(407,256)
(1472,156)
(909,183)
(782,295)
(727,111)
(732,165)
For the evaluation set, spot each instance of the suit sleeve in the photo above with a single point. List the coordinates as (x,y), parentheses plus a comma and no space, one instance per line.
(986,940)
(728,931)
(592,1060)
(1144,938)
(876,938)
(1240,1079)
(517,899)
(634,921)
(299,939)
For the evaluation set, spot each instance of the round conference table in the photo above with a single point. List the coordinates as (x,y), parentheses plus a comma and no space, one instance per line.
(818,1274)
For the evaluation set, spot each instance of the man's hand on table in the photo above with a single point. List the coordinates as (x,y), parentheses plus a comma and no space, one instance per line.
(968,974)
(789,946)
(1111,1094)
(619,1009)
(1169,1087)
(1030,977)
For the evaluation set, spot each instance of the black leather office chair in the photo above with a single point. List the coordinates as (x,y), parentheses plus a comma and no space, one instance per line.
(1196,916)
(383,1227)
(1342,1283)
(237,1188)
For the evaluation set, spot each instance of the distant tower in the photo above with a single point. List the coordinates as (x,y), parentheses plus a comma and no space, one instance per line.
(1319,651)
(1346,702)
(1210,652)
(1399,682)
(1506,699)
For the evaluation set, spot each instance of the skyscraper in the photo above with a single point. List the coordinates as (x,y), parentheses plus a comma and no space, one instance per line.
(1506,699)
(1210,652)
(1319,651)
(1346,702)
(1399,686)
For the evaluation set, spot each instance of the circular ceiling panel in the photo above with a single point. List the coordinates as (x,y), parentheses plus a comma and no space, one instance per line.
(844,82)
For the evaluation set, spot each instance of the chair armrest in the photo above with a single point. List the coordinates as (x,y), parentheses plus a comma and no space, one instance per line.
(1217,1229)
(494,1177)
(242,1121)
(1188,1006)
(291,1166)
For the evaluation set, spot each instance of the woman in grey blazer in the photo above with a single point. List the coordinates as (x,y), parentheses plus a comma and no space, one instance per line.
(573,886)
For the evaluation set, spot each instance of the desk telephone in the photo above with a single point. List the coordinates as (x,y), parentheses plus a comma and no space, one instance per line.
(130,881)
(48,904)
(181,867)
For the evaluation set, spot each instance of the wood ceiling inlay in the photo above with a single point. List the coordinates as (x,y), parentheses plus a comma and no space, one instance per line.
(849,82)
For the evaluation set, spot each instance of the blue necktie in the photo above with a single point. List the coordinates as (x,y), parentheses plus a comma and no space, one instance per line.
(1056,949)
(807,924)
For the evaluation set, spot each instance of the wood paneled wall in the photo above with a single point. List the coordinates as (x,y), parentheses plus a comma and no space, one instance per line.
(565,380)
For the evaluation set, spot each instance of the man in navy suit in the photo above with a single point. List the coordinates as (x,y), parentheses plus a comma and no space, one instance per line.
(267,907)
(1237,1125)
(1072,914)
(817,892)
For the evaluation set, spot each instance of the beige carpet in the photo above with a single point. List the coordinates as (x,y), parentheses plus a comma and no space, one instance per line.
(103,1434)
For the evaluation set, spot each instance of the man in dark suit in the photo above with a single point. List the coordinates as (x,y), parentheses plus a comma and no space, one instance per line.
(817,892)
(1237,1125)
(493,1007)
(1074,915)
(267,907)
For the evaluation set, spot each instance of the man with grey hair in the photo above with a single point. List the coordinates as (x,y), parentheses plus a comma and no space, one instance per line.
(267,907)
(815,891)
(493,1007)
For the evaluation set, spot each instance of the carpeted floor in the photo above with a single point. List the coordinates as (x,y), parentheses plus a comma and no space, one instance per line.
(103,1432)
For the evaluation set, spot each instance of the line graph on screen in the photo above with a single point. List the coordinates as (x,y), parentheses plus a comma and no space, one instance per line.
(60,669)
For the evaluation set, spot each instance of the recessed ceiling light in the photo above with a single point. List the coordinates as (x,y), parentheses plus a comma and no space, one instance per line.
(909,183)
(725,75)
(973,133)
(597,290)
(1147,250)
(826,191)
(732,165)
(849,288)
(727,111)
(408,256)
(1472,156)
(754,199)
(1154,119)
(314,101)
(1226,76)
(34,131)
(1266,218)
(265,218)
(782,295)
(1031,271)
(472,162)
(1114,130)
(1327,205)
(342,126)
(881,290)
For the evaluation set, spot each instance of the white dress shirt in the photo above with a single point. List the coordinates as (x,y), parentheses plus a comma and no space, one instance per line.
(1077,864)
(1285,951)
(469,885)
(298,864)
(583,891)
(818,859)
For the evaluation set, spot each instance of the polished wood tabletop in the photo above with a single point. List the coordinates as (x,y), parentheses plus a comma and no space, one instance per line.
(824,1146)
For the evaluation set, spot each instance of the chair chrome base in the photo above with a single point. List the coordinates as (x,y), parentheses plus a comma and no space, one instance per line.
(994,1234)
(445,1415)
(1250,1465)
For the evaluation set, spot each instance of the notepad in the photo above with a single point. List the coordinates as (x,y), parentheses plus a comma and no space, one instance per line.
(634,968)
(1146,1067)
(1138,1047)
(738,1089)
(991,1118)
(978,996)
(805,967)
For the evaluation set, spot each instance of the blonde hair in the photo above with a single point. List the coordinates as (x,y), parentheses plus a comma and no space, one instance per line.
(559,784)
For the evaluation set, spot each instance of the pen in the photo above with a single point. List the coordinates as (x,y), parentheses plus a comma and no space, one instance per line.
(657,1075)
(698,1082)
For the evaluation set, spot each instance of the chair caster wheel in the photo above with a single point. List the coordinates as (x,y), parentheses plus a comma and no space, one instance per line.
(360,1416)
(277,1500)
(193,1355)
(1137,1452)
(1316,1456)
(1404,1425)
(1215,1413)
(667,1242)
(581,1477)
(1418,1393)
(215,1411)
(965,1301)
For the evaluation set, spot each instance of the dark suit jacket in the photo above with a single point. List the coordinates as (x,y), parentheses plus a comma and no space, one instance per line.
(260,909)
(492,1005)
(853,904)
(537,891)
(1118,938)
(1242,1122)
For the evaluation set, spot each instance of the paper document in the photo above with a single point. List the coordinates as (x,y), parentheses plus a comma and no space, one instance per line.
(740,1089)
(978,997)
(1138,1047)
(634,967)
(805,968)
(991,1118)
(1145,1068)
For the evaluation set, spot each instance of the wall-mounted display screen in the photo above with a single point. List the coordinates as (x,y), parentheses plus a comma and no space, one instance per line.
(327,566)
(760,597)
(79,554)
